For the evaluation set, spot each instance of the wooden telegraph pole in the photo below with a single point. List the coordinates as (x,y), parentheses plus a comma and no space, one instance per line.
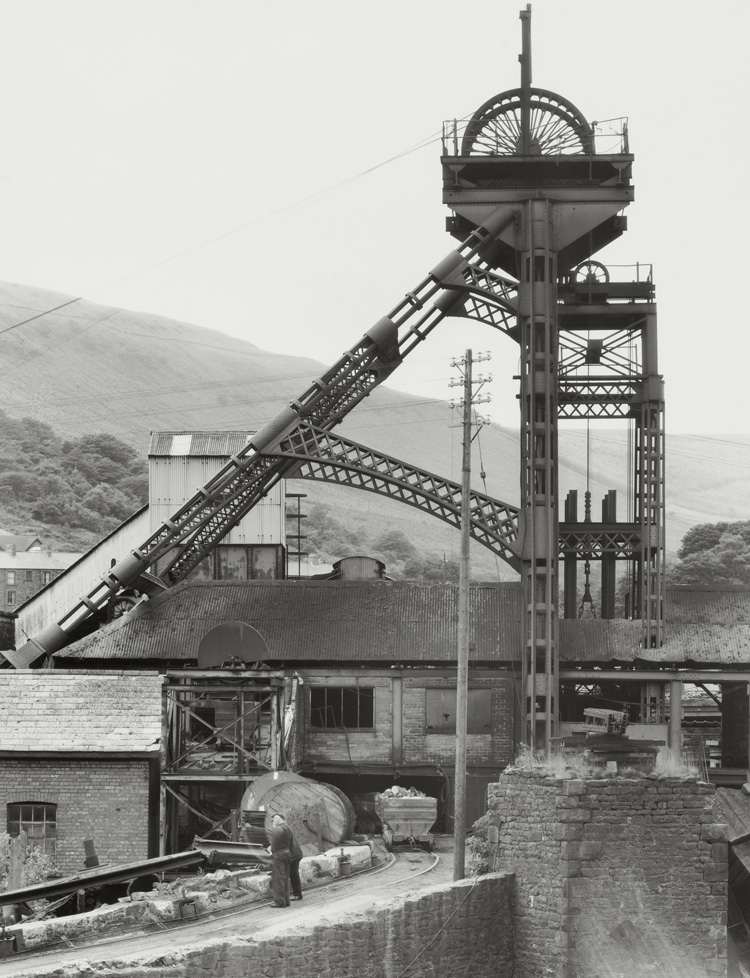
(462,674)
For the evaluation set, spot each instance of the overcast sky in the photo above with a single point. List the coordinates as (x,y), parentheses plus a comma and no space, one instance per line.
(226,163)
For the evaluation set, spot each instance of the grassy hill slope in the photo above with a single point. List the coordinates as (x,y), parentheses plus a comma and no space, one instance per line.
(89,368)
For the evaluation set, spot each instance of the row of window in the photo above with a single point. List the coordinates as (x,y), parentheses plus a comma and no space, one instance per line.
(353,708)
(11,596)
(13,577)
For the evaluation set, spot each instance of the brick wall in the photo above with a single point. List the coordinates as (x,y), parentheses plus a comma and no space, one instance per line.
(419,747)
(357,746)
(459,930)
(614,876)
(106,801)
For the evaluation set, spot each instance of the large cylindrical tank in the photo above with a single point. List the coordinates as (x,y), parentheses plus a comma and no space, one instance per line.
(359,569)
(320,815)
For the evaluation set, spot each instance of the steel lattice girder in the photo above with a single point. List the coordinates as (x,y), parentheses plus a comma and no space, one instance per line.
(595,540)
(325,457)
(206,518)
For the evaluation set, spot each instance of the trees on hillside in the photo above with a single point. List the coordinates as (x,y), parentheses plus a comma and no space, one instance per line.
(330,535)
(90,483)
(714,553)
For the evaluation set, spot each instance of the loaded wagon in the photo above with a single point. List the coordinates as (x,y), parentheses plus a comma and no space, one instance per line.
(407,820)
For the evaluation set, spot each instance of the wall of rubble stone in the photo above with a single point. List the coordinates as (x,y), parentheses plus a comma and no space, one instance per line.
(614,875)
(455,930)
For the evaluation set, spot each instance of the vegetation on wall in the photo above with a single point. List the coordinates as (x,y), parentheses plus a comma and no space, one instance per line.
(34,865)
(70,492)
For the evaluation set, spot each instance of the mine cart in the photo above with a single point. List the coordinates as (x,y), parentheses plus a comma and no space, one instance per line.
(407,820)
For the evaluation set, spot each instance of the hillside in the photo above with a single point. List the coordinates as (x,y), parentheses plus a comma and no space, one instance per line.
(88,369)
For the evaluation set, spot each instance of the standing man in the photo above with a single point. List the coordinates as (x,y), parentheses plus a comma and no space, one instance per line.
(294,879)
(281,838)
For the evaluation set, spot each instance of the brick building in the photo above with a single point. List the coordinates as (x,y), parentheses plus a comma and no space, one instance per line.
(26,567)
(369,673)
(79,759)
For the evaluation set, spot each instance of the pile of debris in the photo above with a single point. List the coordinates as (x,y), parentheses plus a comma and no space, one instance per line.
(398,792)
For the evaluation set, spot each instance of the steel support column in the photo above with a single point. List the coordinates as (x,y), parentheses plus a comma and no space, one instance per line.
(538,397)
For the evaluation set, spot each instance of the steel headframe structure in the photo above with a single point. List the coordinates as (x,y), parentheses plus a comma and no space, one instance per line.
(532,200)
(587,346)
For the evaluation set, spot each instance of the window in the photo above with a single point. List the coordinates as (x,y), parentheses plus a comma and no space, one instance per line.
(10,577)
(46,577)
(337,707)
(10,598)
(38,820)
(29,576)
(441,711)
(249,563)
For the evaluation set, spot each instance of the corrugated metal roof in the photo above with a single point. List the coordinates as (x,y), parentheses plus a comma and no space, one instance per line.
(710,605)
(381,621)
(400,621)
(704,626)
(218,444)
(598,640)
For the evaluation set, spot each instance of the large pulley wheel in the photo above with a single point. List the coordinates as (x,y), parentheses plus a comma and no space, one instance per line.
(591,273)
(556,127)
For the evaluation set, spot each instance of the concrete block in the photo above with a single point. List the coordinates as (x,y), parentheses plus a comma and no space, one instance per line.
(570,868)
(714,874)
(714,832)
(573,787)
(591,850)
(719,852)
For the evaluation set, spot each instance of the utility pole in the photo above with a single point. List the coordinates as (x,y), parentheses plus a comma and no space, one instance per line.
(462,673)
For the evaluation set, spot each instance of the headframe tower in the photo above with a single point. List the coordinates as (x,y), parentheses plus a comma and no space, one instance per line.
(587,350)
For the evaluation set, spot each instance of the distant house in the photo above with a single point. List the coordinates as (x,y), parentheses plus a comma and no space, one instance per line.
(24,572)
(20,542)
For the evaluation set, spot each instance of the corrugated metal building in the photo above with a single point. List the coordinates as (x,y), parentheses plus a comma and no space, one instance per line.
(180,462)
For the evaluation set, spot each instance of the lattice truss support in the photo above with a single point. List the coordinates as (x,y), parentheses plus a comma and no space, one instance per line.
(622,542)
(603,378)
(329,458)
(183,540)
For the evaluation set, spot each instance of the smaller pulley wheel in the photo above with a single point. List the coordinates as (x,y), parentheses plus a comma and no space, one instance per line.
(591,273)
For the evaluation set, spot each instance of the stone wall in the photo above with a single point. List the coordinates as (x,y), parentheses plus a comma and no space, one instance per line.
(614,876)
(107,801)
(453,930)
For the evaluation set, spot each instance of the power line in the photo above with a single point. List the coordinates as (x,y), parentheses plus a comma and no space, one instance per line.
(40,315)
(286,209)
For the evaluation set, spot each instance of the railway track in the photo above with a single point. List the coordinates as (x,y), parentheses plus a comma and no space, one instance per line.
(403,872)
